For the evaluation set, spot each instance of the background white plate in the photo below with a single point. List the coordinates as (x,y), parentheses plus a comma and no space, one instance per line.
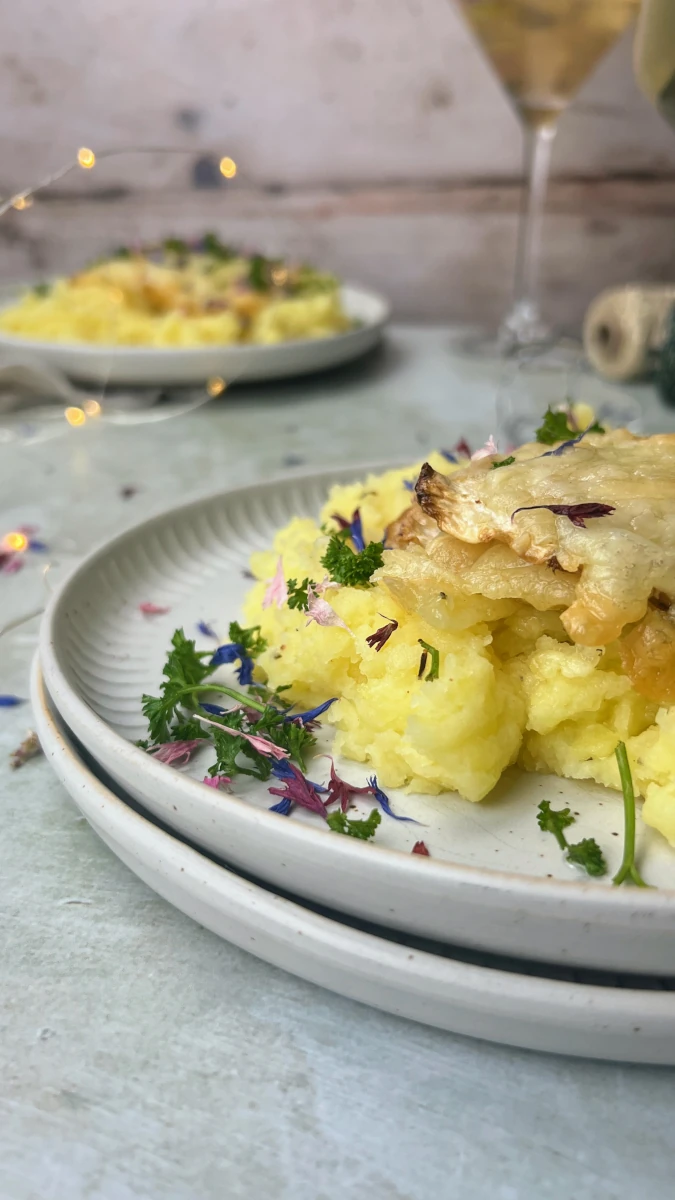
(625,1020)
(151,366)
(494,881)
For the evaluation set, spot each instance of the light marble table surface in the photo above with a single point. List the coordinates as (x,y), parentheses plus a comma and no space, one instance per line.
(141,1058)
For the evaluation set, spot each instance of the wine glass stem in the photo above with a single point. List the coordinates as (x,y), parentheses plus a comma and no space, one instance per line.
(524,324)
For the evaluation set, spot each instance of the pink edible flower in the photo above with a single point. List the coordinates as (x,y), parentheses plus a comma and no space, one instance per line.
(276,591)
(485,451)
(10,564)
(216,781)
(298,790)
(259,743)
(152,610)
(176,754)
(319,610)
(341,790)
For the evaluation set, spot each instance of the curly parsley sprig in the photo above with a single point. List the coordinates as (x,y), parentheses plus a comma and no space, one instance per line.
(346,567)
(586,854)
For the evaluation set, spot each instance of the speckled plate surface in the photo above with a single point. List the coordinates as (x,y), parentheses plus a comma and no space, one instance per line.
(493,880)
(121,366)
(561,1011)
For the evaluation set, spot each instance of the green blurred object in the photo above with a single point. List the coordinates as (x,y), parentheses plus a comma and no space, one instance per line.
(665,372)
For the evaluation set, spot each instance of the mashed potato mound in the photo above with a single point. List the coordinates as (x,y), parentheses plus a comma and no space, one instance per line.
(512,687)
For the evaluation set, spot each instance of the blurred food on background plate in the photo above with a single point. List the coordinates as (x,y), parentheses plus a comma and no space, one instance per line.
(181,294)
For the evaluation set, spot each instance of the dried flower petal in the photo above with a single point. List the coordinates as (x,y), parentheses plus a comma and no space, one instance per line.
(259,743)
(383,800)
(29,748)
(339,790)
(284,770)
(320,611)
(216,781)
(176,754)
(206,631)
(355,528)
(420,848)
(463,448)
(283,806)
(153,610)
(485,451)
(277,589)
(577,513)
(299,790)
(10,701)
(381,636)
(229,653)
(10,564)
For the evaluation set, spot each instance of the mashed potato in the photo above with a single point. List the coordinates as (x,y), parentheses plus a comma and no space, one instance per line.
(512,688)
(183,298)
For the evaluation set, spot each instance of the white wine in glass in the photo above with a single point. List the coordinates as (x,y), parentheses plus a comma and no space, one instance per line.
(655,55)
(542,51)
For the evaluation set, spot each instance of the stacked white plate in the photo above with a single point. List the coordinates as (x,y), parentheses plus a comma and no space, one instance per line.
(491,935)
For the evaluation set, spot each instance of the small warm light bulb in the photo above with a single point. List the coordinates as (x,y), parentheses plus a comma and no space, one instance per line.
(216,385)
(86,158)
(16,541)
(21,203)
(92,408)
(228,168)
(74,416)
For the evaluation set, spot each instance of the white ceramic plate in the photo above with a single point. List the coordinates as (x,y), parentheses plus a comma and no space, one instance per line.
(493,881)
(624,1020)
(166,366)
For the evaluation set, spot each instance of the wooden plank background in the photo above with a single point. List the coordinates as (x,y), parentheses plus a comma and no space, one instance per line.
(370,137)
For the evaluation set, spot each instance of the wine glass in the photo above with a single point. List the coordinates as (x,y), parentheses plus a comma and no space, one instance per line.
(542,51)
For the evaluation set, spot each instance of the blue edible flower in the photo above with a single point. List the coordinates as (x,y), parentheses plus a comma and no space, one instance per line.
(206,630)
(10,701)
(283,770)
(215,709)
(312,713)
(283,806)
(409,485)
(451,458)
(356,532)
(38,546)
(383,800)
(229,653)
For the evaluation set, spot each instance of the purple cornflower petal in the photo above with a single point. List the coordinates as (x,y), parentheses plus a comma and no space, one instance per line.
(284,770)
(176,754)
(299,790)
(10,564)
(463,448)
(319,610)
(206,630)
(153,610)
(276,591)
(381,636)
(37,546)
(420,848)
(10,701)
(259,743)
(409,484)
(216,781)
(355,528)
(577,513)
(312,713)
(485,451)
(215,709)
(383,800)
(452,458)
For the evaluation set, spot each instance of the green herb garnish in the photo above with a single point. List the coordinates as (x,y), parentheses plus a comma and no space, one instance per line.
(435,661)
(212,245)
(627,870)
(175,246)
(346,567)
(554,428)
(506,462)
(586,854)
(42,289)
(339,822)
(259,273)
(249,639)
(297,593)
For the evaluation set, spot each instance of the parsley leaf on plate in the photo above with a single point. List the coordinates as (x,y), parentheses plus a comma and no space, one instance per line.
(340,823)
(348,568)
